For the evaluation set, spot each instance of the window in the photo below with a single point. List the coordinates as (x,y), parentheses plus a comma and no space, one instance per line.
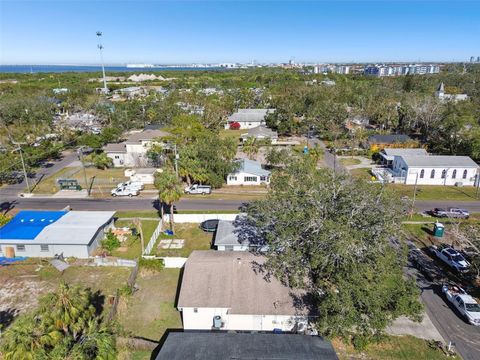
(422,173)
(250,179)
(232,178)
(44,248)
(195,310)
(454,174)
(20,247)
(263,178)
(444,174)
(432,174)
(117,157)
(464,174)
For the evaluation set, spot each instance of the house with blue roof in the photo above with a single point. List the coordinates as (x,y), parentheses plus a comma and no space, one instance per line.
(249,172)
(49,233)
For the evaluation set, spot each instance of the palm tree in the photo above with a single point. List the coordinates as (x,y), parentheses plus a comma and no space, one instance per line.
(250,147)
(169,190)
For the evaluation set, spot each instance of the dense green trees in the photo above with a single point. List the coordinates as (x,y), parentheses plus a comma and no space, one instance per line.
(66,326)
(332,236)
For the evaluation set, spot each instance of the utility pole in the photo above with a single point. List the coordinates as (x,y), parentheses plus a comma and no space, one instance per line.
(19,149)
(100,47)
(176,158)
(80,155)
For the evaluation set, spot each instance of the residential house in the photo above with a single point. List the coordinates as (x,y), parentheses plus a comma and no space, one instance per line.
(249,118)
(237,235)
(387,155)
(442,96)
(222,345)
(48,233)
(133,152)
(132,92)
(260,133)
(249,173)
(434,170)
(378,142)
(226,290)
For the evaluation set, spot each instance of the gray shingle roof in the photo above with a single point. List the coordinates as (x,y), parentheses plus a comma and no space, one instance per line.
(440,161)
(234,280)
(225,234)
(146,135)
(262,131)
(388,139)
(406,152)
(118,148)
(225,346)
(250,115)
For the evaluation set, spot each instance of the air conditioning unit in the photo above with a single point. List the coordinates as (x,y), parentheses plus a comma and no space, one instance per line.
(217,322)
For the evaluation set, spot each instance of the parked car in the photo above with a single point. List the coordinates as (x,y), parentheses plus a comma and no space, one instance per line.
(131,184)
(450,213)
(198,189)
(451,257)
(209,225)
(463,302)
(124,191)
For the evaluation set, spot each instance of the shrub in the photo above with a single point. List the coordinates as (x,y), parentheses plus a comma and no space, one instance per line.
(110,242)
(234,125)
(154,265)
(4,219)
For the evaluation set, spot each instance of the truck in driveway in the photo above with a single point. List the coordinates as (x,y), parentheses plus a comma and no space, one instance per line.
(451,257)
(466,305)
(450,213)
(198,189)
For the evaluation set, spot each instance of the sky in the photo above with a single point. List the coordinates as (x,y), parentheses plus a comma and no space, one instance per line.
(174,32)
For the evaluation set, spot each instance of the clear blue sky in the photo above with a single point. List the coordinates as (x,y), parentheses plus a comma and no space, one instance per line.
(63,32)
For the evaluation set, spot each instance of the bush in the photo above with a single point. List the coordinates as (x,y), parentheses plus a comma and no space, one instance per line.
(101,161)
(4,219)
(234,125)
(110,242)
(154,265)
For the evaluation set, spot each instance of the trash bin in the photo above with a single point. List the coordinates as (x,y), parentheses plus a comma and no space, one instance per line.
(438,229)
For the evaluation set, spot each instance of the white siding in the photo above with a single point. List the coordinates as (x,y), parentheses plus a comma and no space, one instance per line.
(117,158)
(239,179)
(35,250)
(203,320)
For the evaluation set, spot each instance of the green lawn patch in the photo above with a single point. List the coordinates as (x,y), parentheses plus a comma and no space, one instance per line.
(393,348)
(232,134)
(154,214)
(195,239)
(150,311)
(349,161)
(431,192)
(362,173)
(132,247)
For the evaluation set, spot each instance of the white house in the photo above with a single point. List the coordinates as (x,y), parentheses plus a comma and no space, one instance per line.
(47,233)
(440,94)
(261,133)
(133,152)
(249,118)
(387,155)
(249,173)
(223,290)
(237,235)
(435,170)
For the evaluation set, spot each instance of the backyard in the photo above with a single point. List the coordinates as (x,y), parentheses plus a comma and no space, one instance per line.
(193,238)
(132,247)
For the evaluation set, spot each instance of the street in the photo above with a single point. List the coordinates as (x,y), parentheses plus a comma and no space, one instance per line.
(465,337)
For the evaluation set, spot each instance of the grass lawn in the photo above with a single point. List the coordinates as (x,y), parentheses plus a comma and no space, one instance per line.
(431,192)
(151,310)
(349,161)
(195,239)
(132,247)
(363,173)
(392,348)
(103,180)
(154,214)
(227,196)
(232,134)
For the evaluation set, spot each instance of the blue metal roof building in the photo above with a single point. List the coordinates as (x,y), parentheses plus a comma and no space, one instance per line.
(26,225)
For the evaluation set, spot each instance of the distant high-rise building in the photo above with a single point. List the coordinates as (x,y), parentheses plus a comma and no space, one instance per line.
(397,70)
(472,59)
(478,59)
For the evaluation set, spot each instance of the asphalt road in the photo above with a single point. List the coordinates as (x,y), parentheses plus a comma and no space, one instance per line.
(465,337)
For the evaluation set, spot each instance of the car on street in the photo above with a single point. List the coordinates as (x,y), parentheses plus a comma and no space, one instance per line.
(209,225)
(466,305)
(124,191)
(198,189)
(450,213)
(451,257)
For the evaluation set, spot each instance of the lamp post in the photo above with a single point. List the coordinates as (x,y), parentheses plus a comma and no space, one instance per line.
(100,48)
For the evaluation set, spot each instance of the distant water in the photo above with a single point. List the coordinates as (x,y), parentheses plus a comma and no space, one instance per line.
(24,69)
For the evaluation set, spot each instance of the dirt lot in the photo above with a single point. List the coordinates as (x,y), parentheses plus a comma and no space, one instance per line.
(24,282)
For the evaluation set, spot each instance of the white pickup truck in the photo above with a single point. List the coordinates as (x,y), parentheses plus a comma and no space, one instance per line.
(464,303)
(198,189)
(451,257)
(131,184)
